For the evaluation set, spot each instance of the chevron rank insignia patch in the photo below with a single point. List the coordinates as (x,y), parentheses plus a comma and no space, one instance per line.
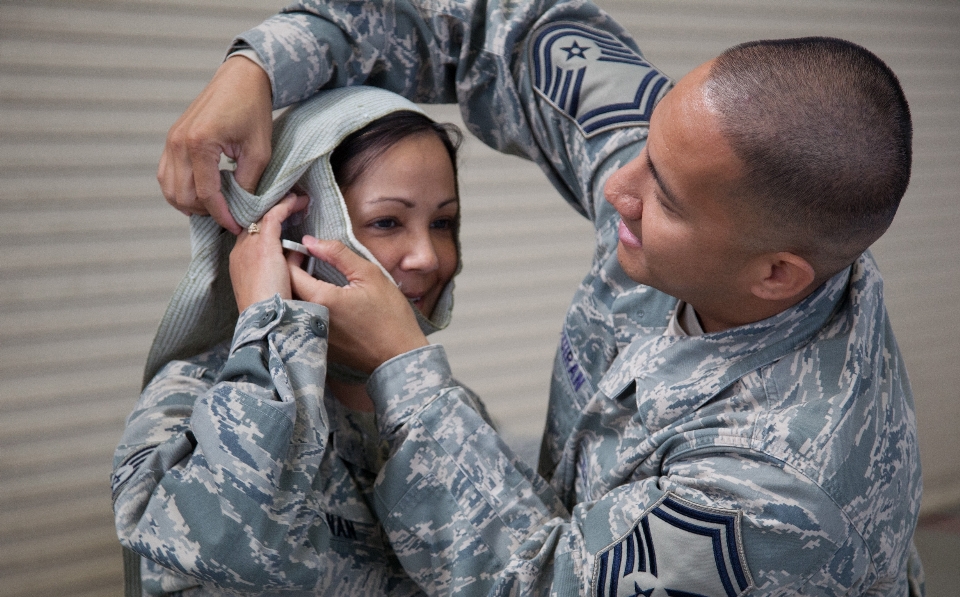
(594,78)
(677,549)
(129,468)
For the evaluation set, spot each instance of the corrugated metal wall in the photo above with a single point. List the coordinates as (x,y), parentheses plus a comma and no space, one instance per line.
(90,252)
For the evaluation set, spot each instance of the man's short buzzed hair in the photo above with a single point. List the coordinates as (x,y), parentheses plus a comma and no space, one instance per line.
(824,131)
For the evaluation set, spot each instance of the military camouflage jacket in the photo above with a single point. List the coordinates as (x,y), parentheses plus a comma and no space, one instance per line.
(778,458)
(237,471)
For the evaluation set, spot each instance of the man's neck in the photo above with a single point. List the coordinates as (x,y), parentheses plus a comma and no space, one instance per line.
(749,311)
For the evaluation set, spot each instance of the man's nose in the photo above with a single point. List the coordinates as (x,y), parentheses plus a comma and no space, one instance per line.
(622,191)
(624,199)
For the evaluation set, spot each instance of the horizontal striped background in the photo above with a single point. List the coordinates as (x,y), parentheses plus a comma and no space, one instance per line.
(90,252)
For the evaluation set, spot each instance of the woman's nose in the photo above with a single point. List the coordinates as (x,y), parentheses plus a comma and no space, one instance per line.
(421,255)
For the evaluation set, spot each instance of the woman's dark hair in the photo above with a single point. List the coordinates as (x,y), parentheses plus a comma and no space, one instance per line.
(363,147)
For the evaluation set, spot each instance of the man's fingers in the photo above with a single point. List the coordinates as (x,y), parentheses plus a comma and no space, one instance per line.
(202,171)
(254,159)
(165,178)
(232,115)
(217,207)
(184,194)
(167,170)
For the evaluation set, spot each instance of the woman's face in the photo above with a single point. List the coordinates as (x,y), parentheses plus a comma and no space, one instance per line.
(404,209)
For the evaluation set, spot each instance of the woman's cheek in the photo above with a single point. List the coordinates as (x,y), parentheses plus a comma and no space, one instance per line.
(448,257)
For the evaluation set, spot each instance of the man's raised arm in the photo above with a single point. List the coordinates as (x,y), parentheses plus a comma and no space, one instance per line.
(482,55)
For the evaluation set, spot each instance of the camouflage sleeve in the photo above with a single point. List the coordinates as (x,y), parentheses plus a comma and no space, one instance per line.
(219,452)
(465,517)
(558,82)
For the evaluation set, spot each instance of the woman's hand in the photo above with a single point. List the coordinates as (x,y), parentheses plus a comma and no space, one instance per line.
(370,320)
(258,269)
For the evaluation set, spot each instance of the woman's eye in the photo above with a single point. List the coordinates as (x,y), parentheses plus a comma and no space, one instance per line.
(442,224)
(384,223)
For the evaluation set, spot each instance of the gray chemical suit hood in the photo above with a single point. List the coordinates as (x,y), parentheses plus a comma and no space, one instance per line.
(203,311)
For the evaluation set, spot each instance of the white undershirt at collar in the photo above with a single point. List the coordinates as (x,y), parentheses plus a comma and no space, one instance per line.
(684,321)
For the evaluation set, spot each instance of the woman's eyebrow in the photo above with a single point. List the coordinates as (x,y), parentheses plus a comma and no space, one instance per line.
(405,202)
(656,176)
(410,204)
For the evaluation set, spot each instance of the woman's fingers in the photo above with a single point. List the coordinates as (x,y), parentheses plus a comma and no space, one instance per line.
(272,221)
(295,259)
(370,319)
(348,263)
(258,269)
(305,287)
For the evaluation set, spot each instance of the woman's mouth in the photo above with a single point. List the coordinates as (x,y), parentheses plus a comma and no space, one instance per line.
(421,303)
(415,299)
(628,238)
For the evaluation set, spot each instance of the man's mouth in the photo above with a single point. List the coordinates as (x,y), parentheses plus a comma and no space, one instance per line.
(628,238)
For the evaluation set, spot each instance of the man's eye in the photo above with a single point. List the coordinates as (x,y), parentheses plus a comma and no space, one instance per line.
(442,224)
(664,205)
(384,223)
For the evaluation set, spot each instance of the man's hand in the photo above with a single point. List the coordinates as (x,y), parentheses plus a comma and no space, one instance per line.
(233,116)
(370,320)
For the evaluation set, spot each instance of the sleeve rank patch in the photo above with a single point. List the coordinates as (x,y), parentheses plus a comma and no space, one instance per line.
(594,78)
(129,468)
(676,549)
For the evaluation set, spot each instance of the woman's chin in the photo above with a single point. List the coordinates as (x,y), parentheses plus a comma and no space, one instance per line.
(424,306)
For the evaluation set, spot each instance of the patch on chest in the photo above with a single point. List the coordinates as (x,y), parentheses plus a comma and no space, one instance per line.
(572,368)
(341,527)
(594,78)
(676,549)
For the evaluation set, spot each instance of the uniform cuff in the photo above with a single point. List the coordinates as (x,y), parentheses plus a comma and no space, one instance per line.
(246,52)
(406,384)
(259,319)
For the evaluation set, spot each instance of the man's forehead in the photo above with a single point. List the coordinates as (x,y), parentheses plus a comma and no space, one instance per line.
(688,156)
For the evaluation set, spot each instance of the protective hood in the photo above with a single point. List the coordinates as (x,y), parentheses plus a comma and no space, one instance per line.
(203,311)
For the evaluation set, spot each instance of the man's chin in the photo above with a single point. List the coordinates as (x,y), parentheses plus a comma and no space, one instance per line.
(629,265)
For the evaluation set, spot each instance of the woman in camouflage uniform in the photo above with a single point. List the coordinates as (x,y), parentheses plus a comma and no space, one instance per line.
(243,448)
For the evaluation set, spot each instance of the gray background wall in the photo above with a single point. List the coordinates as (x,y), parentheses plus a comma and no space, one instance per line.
(89,251)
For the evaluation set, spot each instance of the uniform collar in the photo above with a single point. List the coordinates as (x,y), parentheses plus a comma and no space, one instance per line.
(681,372)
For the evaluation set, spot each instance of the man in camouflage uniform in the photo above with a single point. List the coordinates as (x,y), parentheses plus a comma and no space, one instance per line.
(756,436)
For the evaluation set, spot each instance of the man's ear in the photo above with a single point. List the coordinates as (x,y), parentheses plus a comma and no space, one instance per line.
(781,276)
